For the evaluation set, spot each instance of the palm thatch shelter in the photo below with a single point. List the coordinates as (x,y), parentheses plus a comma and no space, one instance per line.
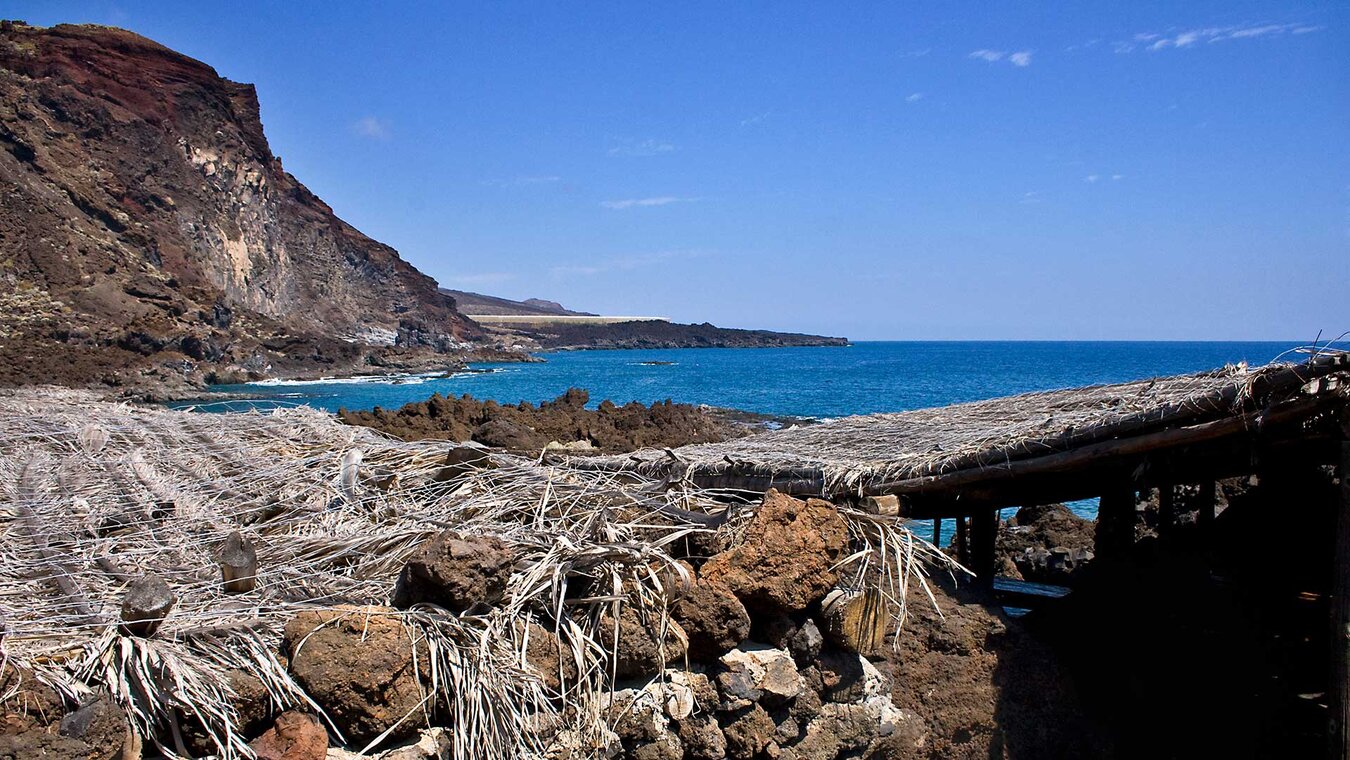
(1112,442)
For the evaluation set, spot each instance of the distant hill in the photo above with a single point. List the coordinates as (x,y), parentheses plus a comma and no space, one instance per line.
(477,303)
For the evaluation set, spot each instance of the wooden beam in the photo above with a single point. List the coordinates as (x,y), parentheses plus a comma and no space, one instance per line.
(983,541)
(1229,458)
(1339,731)
(962,542)
(1167,510)
(1068,461)
(1205,503)
(937,532)
(1115,522)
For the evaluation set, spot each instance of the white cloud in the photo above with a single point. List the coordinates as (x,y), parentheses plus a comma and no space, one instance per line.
(371,127)
(1091,178)
(641,148)
(1117,177)
(1021,58)
(1212,34)
(757,118)
(1029,198)
(914,97)
(627,203)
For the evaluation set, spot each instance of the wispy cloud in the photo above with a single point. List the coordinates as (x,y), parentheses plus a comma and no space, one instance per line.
(1020,58)
(914,97)
(627,203)
(625,263)
(1030,198)
(757,118)
(372,128)
(479,279)
(648,147)
(919,53)
(1175,39)
(1091,179)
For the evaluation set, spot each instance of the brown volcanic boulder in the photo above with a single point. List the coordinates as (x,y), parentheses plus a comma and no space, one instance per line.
(785,561)
(545,652)
(357,664)
(638,651)
(713,617)
(748,733)
(455,571)
(296,736)
(34,723)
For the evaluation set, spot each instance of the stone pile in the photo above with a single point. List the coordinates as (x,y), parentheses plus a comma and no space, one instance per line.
(763,678)
(747,664)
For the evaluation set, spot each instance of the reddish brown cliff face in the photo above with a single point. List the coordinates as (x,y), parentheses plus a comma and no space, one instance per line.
(144,222)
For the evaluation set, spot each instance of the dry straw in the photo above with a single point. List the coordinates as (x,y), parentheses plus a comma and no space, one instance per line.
(96,494)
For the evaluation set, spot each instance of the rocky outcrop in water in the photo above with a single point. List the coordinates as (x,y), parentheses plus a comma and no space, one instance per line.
(564,421)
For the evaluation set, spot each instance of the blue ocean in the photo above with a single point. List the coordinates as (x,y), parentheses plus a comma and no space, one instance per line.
(813,382)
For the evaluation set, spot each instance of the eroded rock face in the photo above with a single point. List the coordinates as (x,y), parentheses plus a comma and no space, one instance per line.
(785,561)
(147,222)
(713,617)
(357,664)
(456,572)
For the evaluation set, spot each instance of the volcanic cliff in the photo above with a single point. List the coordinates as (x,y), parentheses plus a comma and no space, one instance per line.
(149,234)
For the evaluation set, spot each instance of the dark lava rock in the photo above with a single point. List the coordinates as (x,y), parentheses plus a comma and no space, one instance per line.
(34,722)
(702,737)
(748,732)
(785,561)
(610,428)
(714,619)
(456,572)
(358,665)
(546,654)
(639,649)
(806,642)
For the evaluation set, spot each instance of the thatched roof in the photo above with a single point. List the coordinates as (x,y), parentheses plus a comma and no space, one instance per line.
(94,495)
(871,453)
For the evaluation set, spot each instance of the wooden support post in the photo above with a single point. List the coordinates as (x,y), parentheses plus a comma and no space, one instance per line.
(937,532)
(1167,509)
(983,540)
(1115,522)
(1338,732)
(962,543)
(238,564)
(1205,503)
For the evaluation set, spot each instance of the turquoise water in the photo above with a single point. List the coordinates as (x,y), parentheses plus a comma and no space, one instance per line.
(815,382)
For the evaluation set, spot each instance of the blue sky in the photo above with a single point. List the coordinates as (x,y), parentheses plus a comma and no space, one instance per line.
(888,170)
